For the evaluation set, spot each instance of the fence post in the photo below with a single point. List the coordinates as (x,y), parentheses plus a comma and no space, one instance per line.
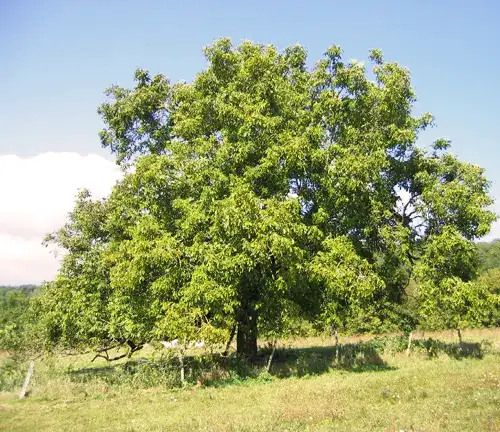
(27,380)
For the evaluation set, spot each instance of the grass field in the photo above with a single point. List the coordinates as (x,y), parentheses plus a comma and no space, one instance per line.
(432,390)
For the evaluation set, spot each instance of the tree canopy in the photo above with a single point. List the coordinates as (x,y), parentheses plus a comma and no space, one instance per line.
(261,192)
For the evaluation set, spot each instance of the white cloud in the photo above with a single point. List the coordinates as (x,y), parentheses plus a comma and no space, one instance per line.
(36,194)
(494,233)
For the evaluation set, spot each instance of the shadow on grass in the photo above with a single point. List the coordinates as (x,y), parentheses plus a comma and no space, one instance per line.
(139,372)
(360,357)
(219,371)
(435,347)
(216,370)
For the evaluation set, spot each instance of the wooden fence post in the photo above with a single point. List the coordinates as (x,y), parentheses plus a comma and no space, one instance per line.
(27,380)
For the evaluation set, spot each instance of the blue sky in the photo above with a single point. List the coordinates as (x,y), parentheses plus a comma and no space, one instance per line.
(57,57)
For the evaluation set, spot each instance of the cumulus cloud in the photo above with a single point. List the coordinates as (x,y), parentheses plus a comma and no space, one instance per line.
(36,195)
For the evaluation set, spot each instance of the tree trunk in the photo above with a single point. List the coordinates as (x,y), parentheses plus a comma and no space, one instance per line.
(460,342)
(181,361)
(182,352)
(27,380)
(246,338)
(228,345)
(408,350)
(271,356)
(337,347)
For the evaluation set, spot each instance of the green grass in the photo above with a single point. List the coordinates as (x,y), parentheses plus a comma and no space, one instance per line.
(419,393)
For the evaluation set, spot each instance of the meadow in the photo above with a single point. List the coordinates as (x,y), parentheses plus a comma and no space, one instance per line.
(365,383)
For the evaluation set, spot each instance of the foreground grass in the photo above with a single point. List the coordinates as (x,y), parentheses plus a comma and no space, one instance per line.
(410,394)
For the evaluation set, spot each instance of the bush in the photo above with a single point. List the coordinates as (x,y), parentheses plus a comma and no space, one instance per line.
(11,374)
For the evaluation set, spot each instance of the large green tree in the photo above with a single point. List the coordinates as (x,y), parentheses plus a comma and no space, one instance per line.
(260,192)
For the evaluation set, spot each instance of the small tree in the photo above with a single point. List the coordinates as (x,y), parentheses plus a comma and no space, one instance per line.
(349,281)
(447,289)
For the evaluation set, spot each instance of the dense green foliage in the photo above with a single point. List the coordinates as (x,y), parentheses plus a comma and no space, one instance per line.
(261,194)
(14,304)
(491,281)
(489,254)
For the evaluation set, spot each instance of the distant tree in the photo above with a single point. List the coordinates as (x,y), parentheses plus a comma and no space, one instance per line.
(28,290)
(489,254)
(491,280)
(263,190)
(14,306)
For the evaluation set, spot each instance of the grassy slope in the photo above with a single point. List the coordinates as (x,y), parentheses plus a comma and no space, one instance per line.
(416,394)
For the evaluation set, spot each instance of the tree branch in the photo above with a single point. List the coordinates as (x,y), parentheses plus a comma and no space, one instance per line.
(228,345)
